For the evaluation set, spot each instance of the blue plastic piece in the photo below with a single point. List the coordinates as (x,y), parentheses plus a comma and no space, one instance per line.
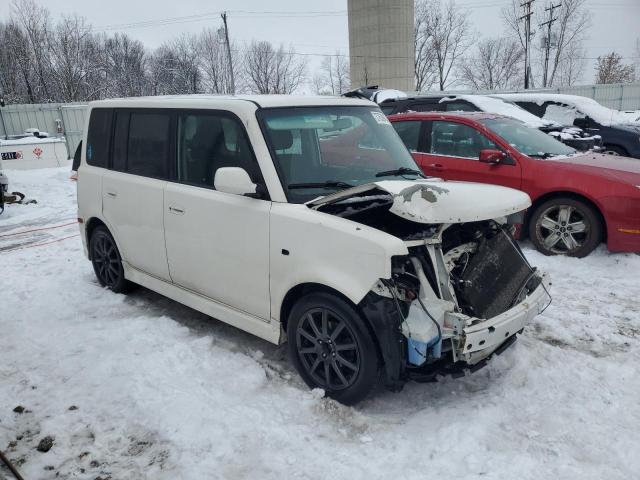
(420,351)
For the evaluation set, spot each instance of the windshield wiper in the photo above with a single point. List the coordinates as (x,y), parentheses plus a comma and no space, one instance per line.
(327,184)
(544,155)
(401,171)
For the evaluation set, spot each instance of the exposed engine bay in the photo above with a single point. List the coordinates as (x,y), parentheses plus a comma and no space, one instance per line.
(463,290)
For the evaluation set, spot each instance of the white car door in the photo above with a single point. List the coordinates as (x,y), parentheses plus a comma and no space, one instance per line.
(217,243)
(133,191)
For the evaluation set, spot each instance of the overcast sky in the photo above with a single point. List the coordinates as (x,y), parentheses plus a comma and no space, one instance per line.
(315,27)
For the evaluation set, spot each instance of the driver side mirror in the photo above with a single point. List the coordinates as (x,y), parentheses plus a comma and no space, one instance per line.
(492,156)
(234,180)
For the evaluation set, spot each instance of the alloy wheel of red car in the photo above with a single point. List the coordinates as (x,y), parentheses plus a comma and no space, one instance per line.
(565,227)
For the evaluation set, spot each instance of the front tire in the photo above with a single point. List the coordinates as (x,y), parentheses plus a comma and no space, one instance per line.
(331,347)
(106,260)
(565,226)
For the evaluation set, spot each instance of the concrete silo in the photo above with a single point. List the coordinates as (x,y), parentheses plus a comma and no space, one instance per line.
(381,43)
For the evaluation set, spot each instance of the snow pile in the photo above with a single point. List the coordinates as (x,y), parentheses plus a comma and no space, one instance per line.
(31,141)
(580,106)
(140,387)
(500,107)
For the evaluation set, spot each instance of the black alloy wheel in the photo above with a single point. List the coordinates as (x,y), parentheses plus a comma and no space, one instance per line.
(327,349)
(332,348)
(106,260)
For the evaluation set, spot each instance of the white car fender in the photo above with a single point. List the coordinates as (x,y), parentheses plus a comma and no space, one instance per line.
(307,246)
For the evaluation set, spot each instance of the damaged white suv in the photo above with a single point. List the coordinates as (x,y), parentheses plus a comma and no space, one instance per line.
(305,220)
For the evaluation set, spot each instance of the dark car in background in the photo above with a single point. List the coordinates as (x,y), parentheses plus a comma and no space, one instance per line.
(578,198)
(620,134)
(574,137)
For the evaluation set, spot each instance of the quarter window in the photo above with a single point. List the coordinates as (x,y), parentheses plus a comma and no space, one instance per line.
(148,145)
(207,142)
(98,137)
(458,140)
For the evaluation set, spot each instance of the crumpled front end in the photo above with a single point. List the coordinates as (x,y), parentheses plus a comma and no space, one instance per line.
(460,294)
(463,290)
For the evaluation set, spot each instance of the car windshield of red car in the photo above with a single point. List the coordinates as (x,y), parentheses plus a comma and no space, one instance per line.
(527,140)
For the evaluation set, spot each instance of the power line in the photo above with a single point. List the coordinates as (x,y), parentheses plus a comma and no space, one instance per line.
(208,15)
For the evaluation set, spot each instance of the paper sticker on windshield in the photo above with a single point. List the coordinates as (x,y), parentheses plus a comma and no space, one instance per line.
(381,118)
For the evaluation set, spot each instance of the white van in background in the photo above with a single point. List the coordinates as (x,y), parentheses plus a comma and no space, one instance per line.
(305,220)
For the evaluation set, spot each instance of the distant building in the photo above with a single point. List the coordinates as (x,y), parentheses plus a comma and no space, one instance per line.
(381,43)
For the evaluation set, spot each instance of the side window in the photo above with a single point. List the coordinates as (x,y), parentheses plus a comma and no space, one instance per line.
(209,141)
(409,132)
(120,139)
(425,107)
(457,140)
(99,137)
(148,144)
(460,107)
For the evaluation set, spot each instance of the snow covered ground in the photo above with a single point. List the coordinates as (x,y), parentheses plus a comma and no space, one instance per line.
(140,387)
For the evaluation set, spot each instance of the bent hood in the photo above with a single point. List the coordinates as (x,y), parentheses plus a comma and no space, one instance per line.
(436,200)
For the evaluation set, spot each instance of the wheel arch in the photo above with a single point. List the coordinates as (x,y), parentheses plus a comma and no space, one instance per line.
(617,146)
(565,194)
(90,226)
(303,289)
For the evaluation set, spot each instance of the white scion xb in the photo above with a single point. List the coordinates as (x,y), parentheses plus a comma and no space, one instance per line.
(305,220)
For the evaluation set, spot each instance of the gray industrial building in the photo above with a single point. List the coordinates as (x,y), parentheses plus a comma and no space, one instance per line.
(381,43)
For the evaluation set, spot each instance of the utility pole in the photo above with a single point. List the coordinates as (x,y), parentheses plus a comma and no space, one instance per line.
(226,40)
(527,40)
(547,46)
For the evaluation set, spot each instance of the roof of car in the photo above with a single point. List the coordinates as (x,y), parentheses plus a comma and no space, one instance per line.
(205,100)
(446,115)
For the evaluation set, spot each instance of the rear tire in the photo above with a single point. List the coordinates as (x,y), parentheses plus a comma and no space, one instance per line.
(332,348)
(565,226)
(106,260)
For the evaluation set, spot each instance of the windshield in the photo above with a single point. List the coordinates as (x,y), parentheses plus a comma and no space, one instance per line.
(527,140)
(320,150)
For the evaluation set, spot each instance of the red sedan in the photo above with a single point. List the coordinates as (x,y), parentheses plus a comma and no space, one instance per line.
(578,198)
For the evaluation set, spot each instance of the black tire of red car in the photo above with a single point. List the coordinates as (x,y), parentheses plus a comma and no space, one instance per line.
(615,150)
(332,348)
(106,260)
(565,226)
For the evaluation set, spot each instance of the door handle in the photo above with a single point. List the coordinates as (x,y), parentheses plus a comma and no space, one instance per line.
(112,194)
(436,166)
(176,210)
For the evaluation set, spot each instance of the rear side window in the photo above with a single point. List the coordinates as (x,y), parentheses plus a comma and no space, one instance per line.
(98,137)
(460,107)
(148,144)
(409,132)
(209,141)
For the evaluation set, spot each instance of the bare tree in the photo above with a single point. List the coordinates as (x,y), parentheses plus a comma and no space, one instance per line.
(34,23)
(568,33)
(16,73)
(636,56)
(610,69)
(125,66)
(273,71)
(333,76)
(573,22)
(497,63)
(175,67)
(448,34)
(73,57)
(216,76)
(425,57)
